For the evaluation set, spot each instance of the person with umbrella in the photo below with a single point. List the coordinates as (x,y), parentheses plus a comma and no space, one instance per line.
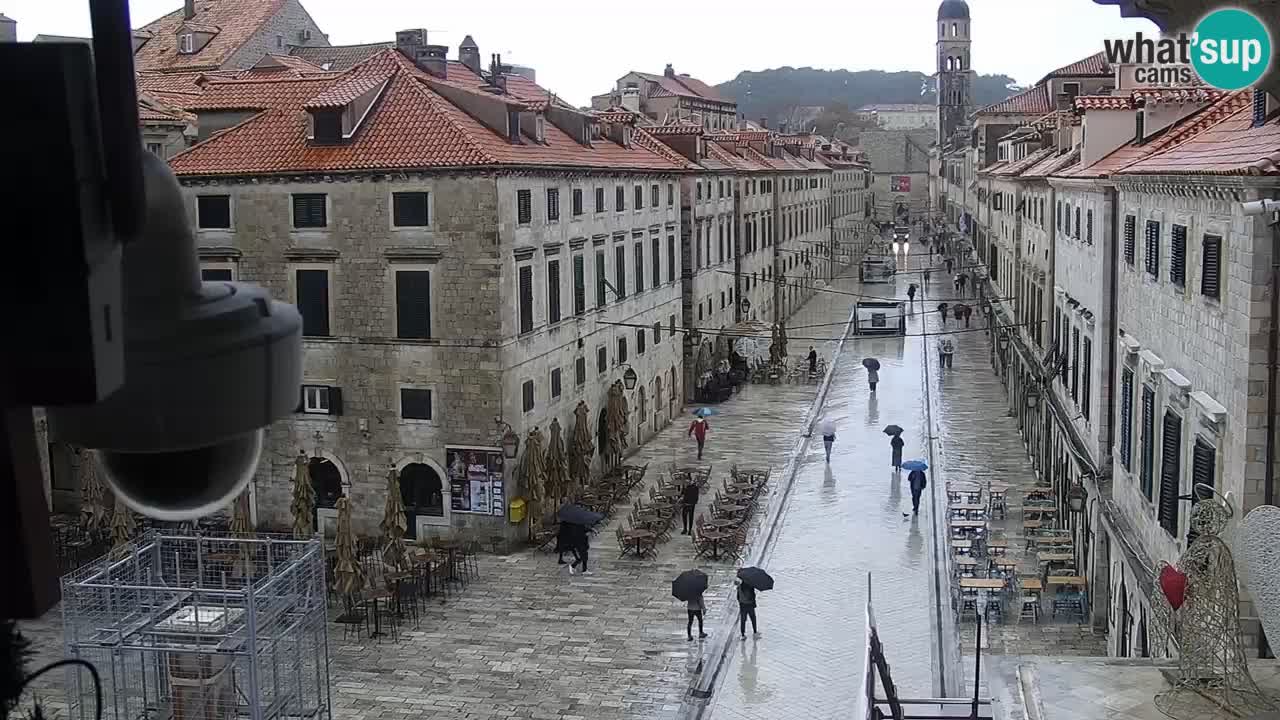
(917,482)
(896,443)
(750,580)
(911,293)
(942,310)
(813,361)
(688,504)
(828,429)
(689,587)
(567,541)
(579,519)
(698,429)
(873,372)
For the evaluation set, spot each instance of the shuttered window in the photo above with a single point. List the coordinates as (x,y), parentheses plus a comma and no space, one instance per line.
(580,371)
(622,350)
(1130,229)
(620,270)
(413,304)
(526,299)
(655,260)
(310,211)
(410,209)
(1126,419)
(619,198)
(671,258)
(602,359)
(640,340)
(579,285)
(524,206)
(1211,267)
(1088,227)
(1086,378)
(639,195)
(1170,472)
(671,194)
(415,404)
(1178,255)
(213,212)
(553,291)
(553,204)
(577,202)
(1147,469)
(697,248)
(1076,234)
(1204,467)
(555,383)
(639,253)
(601,278)
(526,395)
(599,200)
(1065,367)
(657,333)
(1075,364)
(655,197)
(1151,257)
(313,301)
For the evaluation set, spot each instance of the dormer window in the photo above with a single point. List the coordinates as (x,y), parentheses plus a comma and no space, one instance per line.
(186,43)
(540,128)
(337,114)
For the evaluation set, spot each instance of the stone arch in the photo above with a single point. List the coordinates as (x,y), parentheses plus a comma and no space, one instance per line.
(642,408)
(424,490)
(657,396)
(329,478)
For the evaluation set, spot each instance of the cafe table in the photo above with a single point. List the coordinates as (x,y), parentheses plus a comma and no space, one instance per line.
(982,583)
(968,524)
(1050,557)
(1072,580)
(966,561)
(966,508)
(1032,584)
(965,546)
(739,497)
(638,536)
(715,536)
(730,508)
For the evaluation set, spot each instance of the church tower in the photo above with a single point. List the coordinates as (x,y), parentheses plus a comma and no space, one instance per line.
(955,77)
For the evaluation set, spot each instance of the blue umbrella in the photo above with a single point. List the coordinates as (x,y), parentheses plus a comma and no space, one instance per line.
(705,412)
(578,515)
(915,465)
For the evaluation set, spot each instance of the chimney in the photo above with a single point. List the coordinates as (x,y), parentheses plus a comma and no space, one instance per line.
(670,71)
(497,80)
(764,123)
(189,9)
(411,42)
(469,54)
(433,60)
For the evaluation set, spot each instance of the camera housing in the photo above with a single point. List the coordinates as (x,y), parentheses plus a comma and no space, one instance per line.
(207,367)
(1261,207)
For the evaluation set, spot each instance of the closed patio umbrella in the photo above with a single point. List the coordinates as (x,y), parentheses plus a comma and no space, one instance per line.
(242,527)
(556,484)
(348,575)
(616,422)
(303,506)
(533,474)
(122,525)
(581,447)
(393,525)
(94,514)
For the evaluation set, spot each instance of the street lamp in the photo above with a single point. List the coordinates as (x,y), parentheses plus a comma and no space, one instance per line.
(695,336)
(629,378)
(1076,497)
(1004,342)
(1033,397)
(510,442)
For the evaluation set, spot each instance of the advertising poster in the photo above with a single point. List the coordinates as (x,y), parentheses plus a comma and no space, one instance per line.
(475,480)
(900,183)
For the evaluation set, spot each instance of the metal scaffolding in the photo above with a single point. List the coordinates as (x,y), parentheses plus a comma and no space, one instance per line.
(200,627)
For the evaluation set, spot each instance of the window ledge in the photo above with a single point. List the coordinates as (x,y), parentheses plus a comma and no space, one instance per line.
(413,254)
(307,254)
(417,341)
(218,252)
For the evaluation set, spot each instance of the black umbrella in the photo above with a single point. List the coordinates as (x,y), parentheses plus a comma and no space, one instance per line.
(871,364)
(756,578)
(690,585)
(578,515)
(892,430)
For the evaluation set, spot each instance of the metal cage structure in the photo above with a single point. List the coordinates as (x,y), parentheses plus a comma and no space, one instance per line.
(200,627)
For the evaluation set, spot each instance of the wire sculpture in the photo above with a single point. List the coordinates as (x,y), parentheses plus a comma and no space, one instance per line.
(1196,605)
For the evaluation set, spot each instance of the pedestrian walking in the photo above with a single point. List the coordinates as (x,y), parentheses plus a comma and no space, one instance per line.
(948,350)
(964,312)
(950,265)
(917,482)
(911,293)
(896,444)
(696,609)
(813,361)
(873,377)
(688,503)
(942,310)
(567,541)
(828,436)
(746,608)
(962,280)
(926,277)
(698,429)
(581,551)
(955,283)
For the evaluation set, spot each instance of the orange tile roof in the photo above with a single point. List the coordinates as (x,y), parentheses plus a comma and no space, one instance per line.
(1018,166)
(681,129)
(410,127)
(1032,101)
(236,20)
(349,89)
(1052,164)
(681,85)
(1093,66)
(278,63)
(339,58)
(1230,147)
(152,110)
(1104,102)
(1178,95)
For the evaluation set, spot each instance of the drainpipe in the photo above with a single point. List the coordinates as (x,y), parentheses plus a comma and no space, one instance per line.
(1113,312)
(1272,350)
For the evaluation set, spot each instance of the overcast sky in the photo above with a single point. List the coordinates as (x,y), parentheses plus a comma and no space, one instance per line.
(580,49)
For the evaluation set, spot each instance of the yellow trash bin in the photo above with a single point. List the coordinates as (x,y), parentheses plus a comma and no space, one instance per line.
(516,511)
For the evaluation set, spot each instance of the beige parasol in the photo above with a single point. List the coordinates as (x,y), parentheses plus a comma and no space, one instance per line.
(394,525)
(94,514)
(348,576)
(557,466)
(581,448)
(303,506)
(533,473)
(122,525)
(242,527)
(616,422)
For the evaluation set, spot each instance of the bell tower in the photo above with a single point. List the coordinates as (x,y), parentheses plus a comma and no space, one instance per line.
(955,76)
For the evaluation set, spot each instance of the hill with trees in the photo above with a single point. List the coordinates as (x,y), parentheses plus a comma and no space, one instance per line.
(774,93)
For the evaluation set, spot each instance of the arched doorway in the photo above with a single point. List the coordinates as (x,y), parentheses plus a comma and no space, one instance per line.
(671,397)
(641,415)
(657,401)
(422,492)
(327,482)
(1126,621)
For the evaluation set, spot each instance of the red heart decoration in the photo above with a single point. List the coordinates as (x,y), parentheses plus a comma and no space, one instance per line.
(1174,584)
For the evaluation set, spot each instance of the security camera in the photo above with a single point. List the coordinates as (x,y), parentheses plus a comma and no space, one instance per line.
(208,365)
(1261,207)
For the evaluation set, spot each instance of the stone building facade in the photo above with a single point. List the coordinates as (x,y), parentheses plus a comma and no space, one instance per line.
(900,165)
(223,36)
(523,261)
(671,98)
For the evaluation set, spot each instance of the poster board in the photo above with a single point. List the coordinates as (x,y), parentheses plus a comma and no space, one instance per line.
(900,183)
(476,480)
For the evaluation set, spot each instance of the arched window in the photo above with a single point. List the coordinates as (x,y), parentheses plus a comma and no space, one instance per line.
(950,61)
(326,481)
(422,491)
(955,29)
